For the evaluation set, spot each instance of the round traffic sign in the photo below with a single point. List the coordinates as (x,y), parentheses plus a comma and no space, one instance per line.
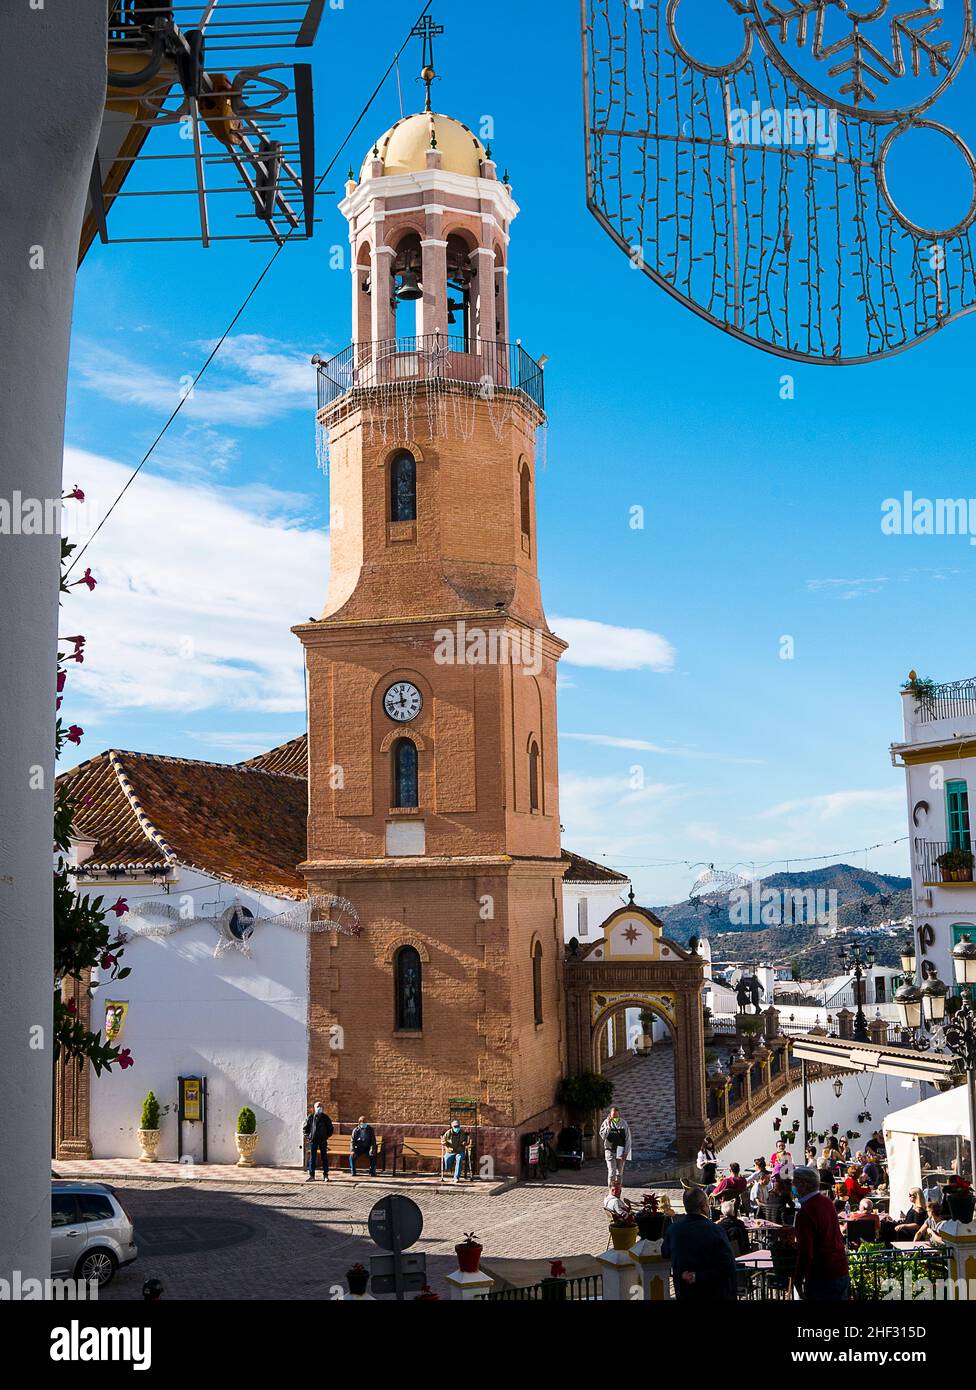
(395,1223)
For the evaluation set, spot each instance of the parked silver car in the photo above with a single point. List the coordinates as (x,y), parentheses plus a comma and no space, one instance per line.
(91,1232)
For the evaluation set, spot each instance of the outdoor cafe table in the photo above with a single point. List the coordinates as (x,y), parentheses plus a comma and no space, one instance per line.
(756,1259)
(760,1228)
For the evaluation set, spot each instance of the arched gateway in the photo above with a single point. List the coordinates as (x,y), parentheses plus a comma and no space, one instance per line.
(634,964)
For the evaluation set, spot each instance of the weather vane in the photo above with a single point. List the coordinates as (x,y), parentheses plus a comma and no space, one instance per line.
(427,30)
(772,172)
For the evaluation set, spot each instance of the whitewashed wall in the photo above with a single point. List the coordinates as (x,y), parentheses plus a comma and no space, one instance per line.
(240,1022)
(863,1091)
(600,900)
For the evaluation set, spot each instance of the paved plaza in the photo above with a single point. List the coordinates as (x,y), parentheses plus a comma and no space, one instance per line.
(644,1090)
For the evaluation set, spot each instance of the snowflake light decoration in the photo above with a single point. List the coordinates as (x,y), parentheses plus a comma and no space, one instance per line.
(764,191)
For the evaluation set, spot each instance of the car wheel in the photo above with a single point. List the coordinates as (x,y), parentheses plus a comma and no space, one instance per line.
(96,1266)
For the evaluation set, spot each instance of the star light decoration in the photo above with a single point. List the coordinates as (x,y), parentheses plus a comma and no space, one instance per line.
(767,191)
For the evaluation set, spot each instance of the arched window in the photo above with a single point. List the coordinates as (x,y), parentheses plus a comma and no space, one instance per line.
(537,981)
(525,504)
(403,488)
(408,979)
(405,780)
(535,788)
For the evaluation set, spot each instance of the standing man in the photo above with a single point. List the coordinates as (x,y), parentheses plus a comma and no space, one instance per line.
(702,1261)
(617,1149)
(318,1130)
(821,1260)
(362,1141)
(455,1141)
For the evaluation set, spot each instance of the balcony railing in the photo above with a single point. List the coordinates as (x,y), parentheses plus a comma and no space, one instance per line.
(948,701)
(483,368)
(926,854)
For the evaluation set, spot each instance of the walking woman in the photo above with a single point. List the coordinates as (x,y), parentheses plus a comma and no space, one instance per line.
(615,1133)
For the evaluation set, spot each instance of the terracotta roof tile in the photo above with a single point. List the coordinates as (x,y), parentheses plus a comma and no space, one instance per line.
(290,758)
(587,871)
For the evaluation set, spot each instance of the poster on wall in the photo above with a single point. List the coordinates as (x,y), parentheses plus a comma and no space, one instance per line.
(116,1013)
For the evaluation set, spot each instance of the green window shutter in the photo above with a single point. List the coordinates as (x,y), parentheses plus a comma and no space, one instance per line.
(957,814)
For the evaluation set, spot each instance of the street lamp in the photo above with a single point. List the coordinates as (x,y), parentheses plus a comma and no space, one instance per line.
(909,1001)
(838,1088)
(907,954)
(964,962)
(858,962)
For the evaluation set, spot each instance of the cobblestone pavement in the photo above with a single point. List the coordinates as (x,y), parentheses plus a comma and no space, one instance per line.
(272,1240)
(645,1093)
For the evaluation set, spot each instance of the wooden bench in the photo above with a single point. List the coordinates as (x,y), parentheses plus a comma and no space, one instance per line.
(412,1146)
(338,1147)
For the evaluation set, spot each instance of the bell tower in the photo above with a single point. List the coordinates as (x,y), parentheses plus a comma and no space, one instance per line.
(433,787)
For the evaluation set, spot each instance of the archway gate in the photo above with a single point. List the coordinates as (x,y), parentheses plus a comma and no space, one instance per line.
(634,964)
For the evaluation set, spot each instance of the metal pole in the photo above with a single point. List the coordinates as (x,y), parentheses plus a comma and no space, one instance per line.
(806,1105)
(971,1085)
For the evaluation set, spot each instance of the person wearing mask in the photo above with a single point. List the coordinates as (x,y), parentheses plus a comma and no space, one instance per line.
(702,1262)
(914,1217)
(454,1142)
(821,1274)
(615,1133)
(362,1141)
(318,1131)
(707,1164)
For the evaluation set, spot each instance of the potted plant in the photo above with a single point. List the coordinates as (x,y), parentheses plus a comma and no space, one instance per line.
(923,688)
(959,1199)
(357,1279)
(468,1253)
(651,1220)
(555,1285)
(149,1131)
(956,865)
(623,1232)
(247,1137)
(584,1093)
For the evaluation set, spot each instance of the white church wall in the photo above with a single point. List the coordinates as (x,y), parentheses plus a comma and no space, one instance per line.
(862,1091)
(242,1022)
(586,906)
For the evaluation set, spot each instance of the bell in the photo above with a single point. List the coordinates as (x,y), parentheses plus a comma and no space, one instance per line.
(409,286)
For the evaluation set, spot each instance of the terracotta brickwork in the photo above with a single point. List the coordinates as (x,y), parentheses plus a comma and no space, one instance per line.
(72,1088)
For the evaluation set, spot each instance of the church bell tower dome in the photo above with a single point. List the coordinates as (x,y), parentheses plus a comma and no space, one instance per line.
(404,147)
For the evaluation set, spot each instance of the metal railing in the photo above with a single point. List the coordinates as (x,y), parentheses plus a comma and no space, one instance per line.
(583,1289)
(927,853)
(899,1274)
(484,368)
(947,701)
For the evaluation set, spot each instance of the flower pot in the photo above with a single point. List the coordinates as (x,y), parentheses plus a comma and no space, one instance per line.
(468,1256)
(650,1224)
(623,1237)
(148,1144)
(246,1144)
(554,1290)
(357,1278)
(960,1204)
(959,875)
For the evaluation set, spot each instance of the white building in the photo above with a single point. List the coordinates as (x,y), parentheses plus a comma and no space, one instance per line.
(939,757)
(591,892)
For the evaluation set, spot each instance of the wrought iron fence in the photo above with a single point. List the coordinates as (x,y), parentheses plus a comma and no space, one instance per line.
(584,1288)
(927,853)
(484,367)
(899,1275)
(947,701)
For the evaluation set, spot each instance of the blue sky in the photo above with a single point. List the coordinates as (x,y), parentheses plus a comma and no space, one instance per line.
(762,516)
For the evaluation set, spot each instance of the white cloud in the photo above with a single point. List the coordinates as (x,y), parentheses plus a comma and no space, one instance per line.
(643,746)
(241,743)
(252,380)
(831,805)
(197,588)
(613,648)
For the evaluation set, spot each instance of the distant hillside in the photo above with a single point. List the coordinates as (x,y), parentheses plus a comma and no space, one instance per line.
(777,923)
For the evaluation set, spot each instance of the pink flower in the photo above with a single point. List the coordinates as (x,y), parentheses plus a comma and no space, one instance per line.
(71,1008)
(79,648)
(76,494)
(107,961)
(120,907)
(125,1058)
(74,733)
(58,702)
(62,677)
(88,579)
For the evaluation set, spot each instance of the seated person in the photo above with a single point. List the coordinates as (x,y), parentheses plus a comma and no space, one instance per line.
(734,1228)
(914,1217)
(780,1205)
(454,1141)
(853,1188)
(759,1182)
(734,1185)
(870,1170)
(929,1229)
(616,1205)
(868,1218)
(875,1147)
(826,1170)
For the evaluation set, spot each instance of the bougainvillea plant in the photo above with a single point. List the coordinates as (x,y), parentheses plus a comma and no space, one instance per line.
(84,935)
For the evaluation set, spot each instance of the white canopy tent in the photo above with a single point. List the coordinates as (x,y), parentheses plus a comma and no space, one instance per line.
(946,1113)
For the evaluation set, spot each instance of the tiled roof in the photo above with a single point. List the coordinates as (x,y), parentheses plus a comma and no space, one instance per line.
(290,758)
(586,871)
(240,824)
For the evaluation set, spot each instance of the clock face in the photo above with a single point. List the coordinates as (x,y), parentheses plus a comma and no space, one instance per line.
(403,702)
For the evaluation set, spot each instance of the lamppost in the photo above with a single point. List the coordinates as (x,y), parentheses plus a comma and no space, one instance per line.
(956,1021)
(858,962)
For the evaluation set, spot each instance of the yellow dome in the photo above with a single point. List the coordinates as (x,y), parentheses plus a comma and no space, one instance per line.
(403,149)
